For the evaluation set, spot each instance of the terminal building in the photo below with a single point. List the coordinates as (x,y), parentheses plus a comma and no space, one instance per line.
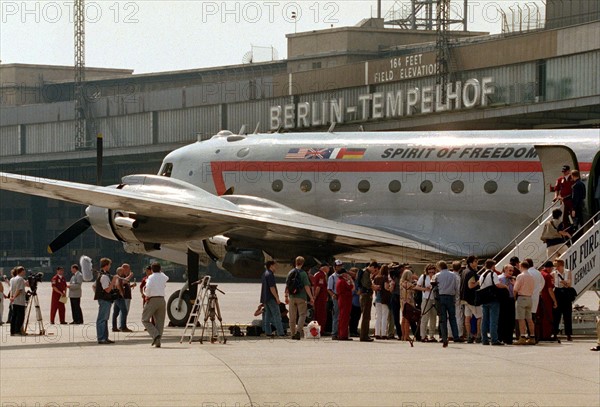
(371,76)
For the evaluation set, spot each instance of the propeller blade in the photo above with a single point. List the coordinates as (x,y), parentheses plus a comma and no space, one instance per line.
(71,233)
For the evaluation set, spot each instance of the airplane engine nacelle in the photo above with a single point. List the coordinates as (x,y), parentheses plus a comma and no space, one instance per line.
(244,263)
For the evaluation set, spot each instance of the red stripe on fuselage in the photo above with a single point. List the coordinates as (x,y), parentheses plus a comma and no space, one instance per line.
(330,166)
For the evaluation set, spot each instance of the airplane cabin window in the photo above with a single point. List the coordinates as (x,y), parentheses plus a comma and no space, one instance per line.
(395,186)
(277,185)
(490,187)
(524,187)
(426,186)
(243,152)
(364,186)
(335,185)
(306,186)
(457,186)
(166,170)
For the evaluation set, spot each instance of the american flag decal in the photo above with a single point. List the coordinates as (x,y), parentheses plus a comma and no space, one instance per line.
(295,153)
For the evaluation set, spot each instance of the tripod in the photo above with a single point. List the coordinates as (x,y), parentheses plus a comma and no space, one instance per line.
(34,302)
(212,311)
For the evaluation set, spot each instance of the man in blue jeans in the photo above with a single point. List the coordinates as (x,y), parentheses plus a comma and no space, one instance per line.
(104,285)
(269,297)
(448,285)
(491,310)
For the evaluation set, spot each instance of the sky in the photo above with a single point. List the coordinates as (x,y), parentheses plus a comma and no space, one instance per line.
(155,35)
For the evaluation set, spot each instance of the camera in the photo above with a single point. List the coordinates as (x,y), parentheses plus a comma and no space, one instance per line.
(33,280)
(434,283)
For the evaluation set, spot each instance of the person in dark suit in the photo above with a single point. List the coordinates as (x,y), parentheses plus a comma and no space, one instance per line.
(578,199)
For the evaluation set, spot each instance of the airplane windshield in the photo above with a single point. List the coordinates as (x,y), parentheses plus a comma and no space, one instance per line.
(166,170)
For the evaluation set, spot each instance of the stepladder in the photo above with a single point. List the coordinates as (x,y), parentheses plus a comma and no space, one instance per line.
(198,308)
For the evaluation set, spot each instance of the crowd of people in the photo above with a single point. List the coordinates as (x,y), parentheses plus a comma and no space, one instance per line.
(111,291)
(518,305)
(526,306)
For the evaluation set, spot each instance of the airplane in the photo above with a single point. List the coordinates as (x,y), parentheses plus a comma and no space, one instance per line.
(401,196)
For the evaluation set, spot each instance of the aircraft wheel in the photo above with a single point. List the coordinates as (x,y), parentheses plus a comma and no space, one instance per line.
(179,317)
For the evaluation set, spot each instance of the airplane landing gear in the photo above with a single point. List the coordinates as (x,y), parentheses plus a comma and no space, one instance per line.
(178,309)
(179,305)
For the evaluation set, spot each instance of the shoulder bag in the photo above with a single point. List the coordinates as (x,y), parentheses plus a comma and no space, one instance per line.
(487,294)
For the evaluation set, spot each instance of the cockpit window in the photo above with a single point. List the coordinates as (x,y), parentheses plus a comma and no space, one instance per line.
(166,170)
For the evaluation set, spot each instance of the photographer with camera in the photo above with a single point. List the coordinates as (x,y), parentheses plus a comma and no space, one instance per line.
(18,301)
(102,293)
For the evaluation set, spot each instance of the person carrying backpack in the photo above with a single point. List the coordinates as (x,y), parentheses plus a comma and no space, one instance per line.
(297,293)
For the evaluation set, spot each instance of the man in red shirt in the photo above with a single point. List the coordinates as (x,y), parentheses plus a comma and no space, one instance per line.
(59,288)
(562,192)
(320,289)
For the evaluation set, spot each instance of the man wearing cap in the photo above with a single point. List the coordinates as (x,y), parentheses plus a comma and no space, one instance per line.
(562,192)
(321,295)
(332,291)
(59,288)
(155,306)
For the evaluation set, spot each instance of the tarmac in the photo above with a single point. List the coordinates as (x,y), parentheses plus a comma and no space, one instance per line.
(66,367)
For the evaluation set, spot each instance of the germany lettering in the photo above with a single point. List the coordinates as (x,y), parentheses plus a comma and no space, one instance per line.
(584,259)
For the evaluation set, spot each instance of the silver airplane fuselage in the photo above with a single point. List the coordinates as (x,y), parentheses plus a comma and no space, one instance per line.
(464,192)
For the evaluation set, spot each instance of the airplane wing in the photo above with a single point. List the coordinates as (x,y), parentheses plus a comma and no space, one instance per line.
(252,221)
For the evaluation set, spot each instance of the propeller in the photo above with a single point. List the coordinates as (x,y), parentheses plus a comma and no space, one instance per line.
(71,233)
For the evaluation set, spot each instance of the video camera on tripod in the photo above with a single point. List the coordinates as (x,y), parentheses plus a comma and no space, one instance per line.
(33,280)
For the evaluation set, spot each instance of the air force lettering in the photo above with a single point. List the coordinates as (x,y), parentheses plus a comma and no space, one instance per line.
(582,259)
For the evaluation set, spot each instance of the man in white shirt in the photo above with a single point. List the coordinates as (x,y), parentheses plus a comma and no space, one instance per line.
(17,298)
(428,310)
(537,289)
(155,306)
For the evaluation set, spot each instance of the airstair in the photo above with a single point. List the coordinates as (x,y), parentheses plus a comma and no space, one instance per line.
(582,258)
(527,244)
